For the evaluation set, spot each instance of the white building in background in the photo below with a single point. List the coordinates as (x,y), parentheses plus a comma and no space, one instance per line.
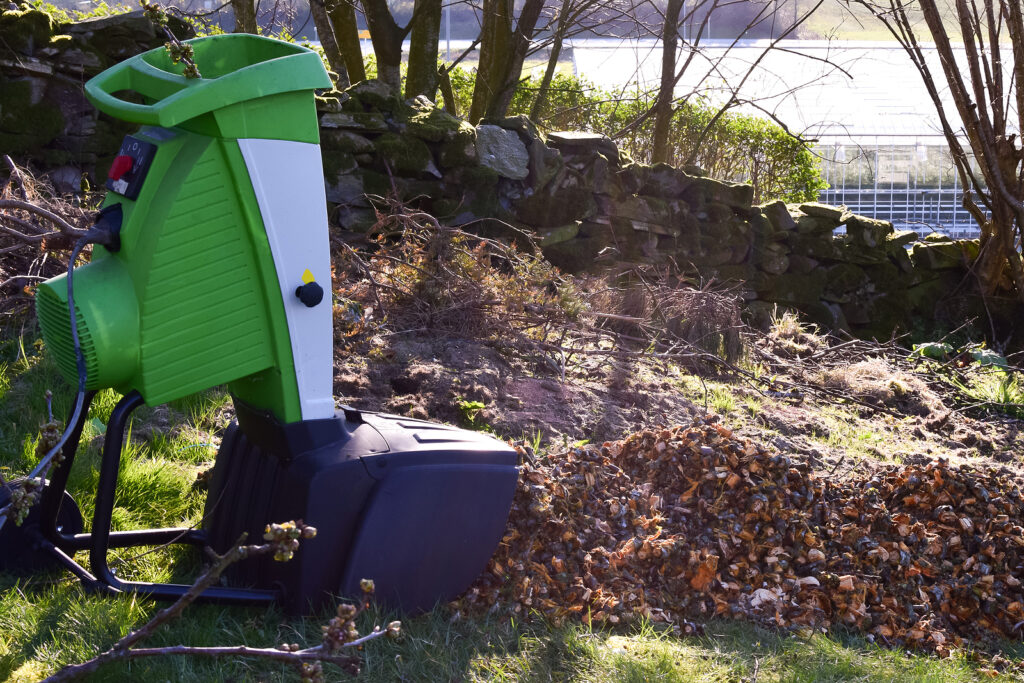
(877,130)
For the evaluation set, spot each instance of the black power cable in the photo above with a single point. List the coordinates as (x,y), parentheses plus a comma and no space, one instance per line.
(100,233)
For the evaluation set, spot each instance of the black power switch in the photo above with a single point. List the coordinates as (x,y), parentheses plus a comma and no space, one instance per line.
(310,294)
(130,166)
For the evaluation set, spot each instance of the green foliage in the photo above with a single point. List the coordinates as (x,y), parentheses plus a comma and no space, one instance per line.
(737,147)
(934,350)
(993,389)
(984,379)
(469,410)
(64,16)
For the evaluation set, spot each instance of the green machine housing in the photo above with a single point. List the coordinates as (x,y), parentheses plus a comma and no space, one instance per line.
(221,274)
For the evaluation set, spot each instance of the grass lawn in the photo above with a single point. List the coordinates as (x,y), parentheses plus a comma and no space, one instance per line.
(47,621)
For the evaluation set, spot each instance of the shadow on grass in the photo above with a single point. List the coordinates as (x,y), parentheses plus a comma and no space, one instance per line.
(494,648)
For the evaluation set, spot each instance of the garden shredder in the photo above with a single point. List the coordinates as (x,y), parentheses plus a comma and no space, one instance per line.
(213,268)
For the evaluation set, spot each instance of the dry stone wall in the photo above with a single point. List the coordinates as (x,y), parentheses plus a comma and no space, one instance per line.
(589,206)
(44,116)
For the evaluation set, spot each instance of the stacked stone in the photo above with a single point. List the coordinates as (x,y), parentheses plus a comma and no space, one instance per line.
(44,115)
(589,206)
(585,203)
(850,272)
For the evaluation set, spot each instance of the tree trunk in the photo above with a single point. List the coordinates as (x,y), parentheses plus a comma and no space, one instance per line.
(447,92)
(325,31)
(502,52)
(975,97)
(245,16)
(425,28)
(525,29)
(666,91)
(495,49)
(346,32)
(386,37)
(549,73)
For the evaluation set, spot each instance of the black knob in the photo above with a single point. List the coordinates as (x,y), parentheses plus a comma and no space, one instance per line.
(310,294)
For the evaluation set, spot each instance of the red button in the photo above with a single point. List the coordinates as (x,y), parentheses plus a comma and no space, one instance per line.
(122,164)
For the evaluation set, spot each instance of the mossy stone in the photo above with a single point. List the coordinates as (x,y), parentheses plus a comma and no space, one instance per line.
(662,180)
(460,149)
(559,207)
(778,215)
(773,259)
(825,315)
(799,263)
(705,190)
(432,123)
(405,155)
(344,141)
(868,232)
(901,257)
(374,182)
(26,30)
(562,233)
(372,122)
(24,126)
(808,224)
(939,255)
(796,289)
(901,238)
(476,189)
(842,281)
(375,94)
(576,255)
(337,163)
(829,213)
(822,247)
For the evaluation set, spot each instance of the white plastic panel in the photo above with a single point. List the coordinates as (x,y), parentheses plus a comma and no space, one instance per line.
(288,180)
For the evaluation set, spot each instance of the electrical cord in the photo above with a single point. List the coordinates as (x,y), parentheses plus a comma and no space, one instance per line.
(95,235)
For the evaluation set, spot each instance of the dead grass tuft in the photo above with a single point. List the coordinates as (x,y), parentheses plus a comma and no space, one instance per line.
(878,382)
(790,338)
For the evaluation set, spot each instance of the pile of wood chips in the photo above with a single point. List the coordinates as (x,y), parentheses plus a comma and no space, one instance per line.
(691,522)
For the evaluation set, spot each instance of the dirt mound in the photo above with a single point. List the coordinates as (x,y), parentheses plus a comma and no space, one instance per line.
(691,522)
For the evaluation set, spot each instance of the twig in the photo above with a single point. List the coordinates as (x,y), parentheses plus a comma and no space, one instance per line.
(283,540)
(16,177)
(62,224)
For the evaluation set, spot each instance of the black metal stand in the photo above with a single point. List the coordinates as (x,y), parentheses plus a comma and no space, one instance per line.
(62,546)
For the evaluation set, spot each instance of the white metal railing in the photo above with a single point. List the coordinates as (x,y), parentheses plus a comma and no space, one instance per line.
(911,183)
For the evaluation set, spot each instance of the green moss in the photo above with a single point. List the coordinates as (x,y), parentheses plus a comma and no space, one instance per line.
(404,154)
(562,233)
(843,279)
(942,255)
(434,125)
(460,150)
(25,30)
(24,127)
(336,164)
(374,183)
(560,207)
(801,290)
(61,42)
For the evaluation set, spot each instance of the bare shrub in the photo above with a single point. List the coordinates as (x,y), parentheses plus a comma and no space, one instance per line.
(37,227)
(417,275)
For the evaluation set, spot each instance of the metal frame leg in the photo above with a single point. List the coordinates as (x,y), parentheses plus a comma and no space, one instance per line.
(102,579)
(53,494)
